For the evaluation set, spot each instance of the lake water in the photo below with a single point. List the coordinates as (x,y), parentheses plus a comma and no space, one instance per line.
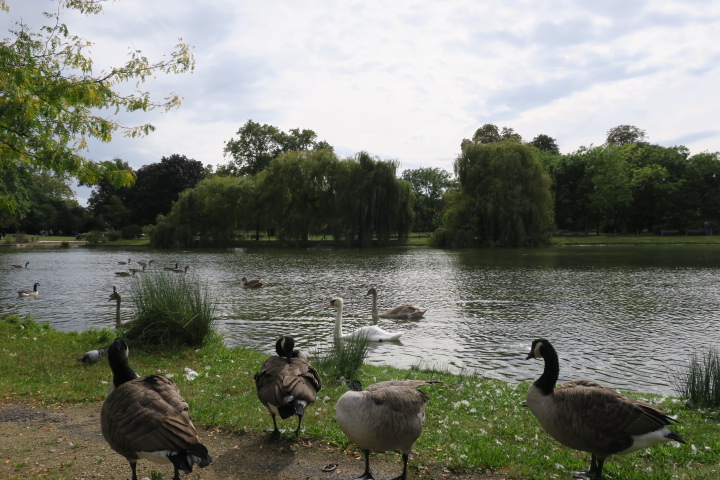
(623,316)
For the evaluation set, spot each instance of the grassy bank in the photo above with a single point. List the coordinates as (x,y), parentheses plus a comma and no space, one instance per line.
(472,423)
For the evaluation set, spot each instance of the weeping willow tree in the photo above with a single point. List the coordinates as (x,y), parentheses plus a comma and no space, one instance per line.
(296,193)
(207,215)
(371,202)
(504,198)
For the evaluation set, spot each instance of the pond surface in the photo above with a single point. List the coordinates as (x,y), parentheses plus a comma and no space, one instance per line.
(626,317)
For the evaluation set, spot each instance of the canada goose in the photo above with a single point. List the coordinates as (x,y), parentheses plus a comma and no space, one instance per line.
(124,274)
(21,266)
(181,270)
(145,264)
(373,333)
(146,417)
(587,417)
(116,296)
(124,263)
(401,311)
(385,416)
(29,293)
(287,383)
(254,283)
(93,356)
(137,270)
(171,268)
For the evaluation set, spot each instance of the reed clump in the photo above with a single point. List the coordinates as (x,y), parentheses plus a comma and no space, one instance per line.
(341,359)
(171,311)
(699,382)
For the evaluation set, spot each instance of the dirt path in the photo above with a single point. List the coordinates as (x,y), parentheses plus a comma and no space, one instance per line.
(66,443)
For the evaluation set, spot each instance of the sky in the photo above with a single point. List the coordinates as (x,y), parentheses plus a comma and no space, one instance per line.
(408,80)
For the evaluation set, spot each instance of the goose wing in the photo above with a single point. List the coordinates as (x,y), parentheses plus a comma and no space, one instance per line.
(278,382)
(147,414)
(603,420)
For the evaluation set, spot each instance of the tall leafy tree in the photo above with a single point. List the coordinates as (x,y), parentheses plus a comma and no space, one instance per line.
(429,185)
(54,101)
(545,143)
(504,196)
(625,134)
(158,185)
(256,145)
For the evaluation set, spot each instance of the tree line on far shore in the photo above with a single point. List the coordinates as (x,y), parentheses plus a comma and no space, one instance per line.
(502,191)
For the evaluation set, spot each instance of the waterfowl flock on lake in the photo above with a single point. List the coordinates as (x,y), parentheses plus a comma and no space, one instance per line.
(145,417)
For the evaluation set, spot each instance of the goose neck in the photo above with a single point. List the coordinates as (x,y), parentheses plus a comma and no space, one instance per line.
(551,372)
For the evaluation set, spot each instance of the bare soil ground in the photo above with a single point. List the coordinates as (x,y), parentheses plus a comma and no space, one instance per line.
(66,443)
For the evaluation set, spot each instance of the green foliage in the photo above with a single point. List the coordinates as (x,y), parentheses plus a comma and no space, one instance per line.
(342,359)
(504,196)
(624,135)
(170,311)
(699,382)
(545,143)
(429,185)
(256,145)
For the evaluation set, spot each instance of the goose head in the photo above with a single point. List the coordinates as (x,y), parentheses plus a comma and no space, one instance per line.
(284,347)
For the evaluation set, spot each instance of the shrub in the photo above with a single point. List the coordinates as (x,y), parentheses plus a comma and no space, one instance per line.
(342,359)
(113,235)
(171,311)
(699,383)
(130,232)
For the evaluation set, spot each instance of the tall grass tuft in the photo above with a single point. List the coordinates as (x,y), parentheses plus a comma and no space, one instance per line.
(341,359)
(171,311)
(699,383)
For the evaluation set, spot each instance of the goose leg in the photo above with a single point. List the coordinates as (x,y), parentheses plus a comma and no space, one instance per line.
(595,472)
(404,473)
(367,475)
(299,422)
(176,476)
(132,468)
(276,431)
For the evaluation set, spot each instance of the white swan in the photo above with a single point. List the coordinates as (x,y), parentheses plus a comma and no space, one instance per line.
(401,311)
(372,332)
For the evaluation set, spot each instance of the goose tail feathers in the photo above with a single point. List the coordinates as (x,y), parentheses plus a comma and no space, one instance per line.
(195,455)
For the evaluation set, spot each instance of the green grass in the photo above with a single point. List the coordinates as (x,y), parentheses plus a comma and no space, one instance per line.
(592,239)
(342,359)
(472,423)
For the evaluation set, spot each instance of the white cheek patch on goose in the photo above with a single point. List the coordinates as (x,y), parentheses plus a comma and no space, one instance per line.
(536,350)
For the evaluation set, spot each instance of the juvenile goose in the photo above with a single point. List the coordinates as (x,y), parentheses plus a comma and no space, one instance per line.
(287,383)
(372,332)
(385,416)
(29,293)
(254,283)
(124,263)
(21,266)
(145,417)
(587,417)
(93,356)
(401,311)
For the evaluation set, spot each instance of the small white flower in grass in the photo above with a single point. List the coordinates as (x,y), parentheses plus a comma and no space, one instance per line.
(472,410)
(559,467)
(498,441)
(169,375)
(207,367)
(104,382)
(693,448)
(190,374)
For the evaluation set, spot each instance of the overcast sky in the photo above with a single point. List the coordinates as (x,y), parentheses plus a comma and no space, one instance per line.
(408,80)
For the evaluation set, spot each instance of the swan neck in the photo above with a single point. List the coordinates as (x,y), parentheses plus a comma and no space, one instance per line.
(550,374)
(338,320)
(374,305)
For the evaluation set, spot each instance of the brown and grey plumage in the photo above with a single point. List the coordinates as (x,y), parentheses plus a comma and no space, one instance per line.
(124,263)
(93,356)
(254,283)
(180,270)
(401,311)
(146,417)
(21,266)
(145,264)
(124,274)
(587,417)
(29,293)
(287,383)
(385,416)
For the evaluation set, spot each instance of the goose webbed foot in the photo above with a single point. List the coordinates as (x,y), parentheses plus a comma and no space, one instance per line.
(595,472)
